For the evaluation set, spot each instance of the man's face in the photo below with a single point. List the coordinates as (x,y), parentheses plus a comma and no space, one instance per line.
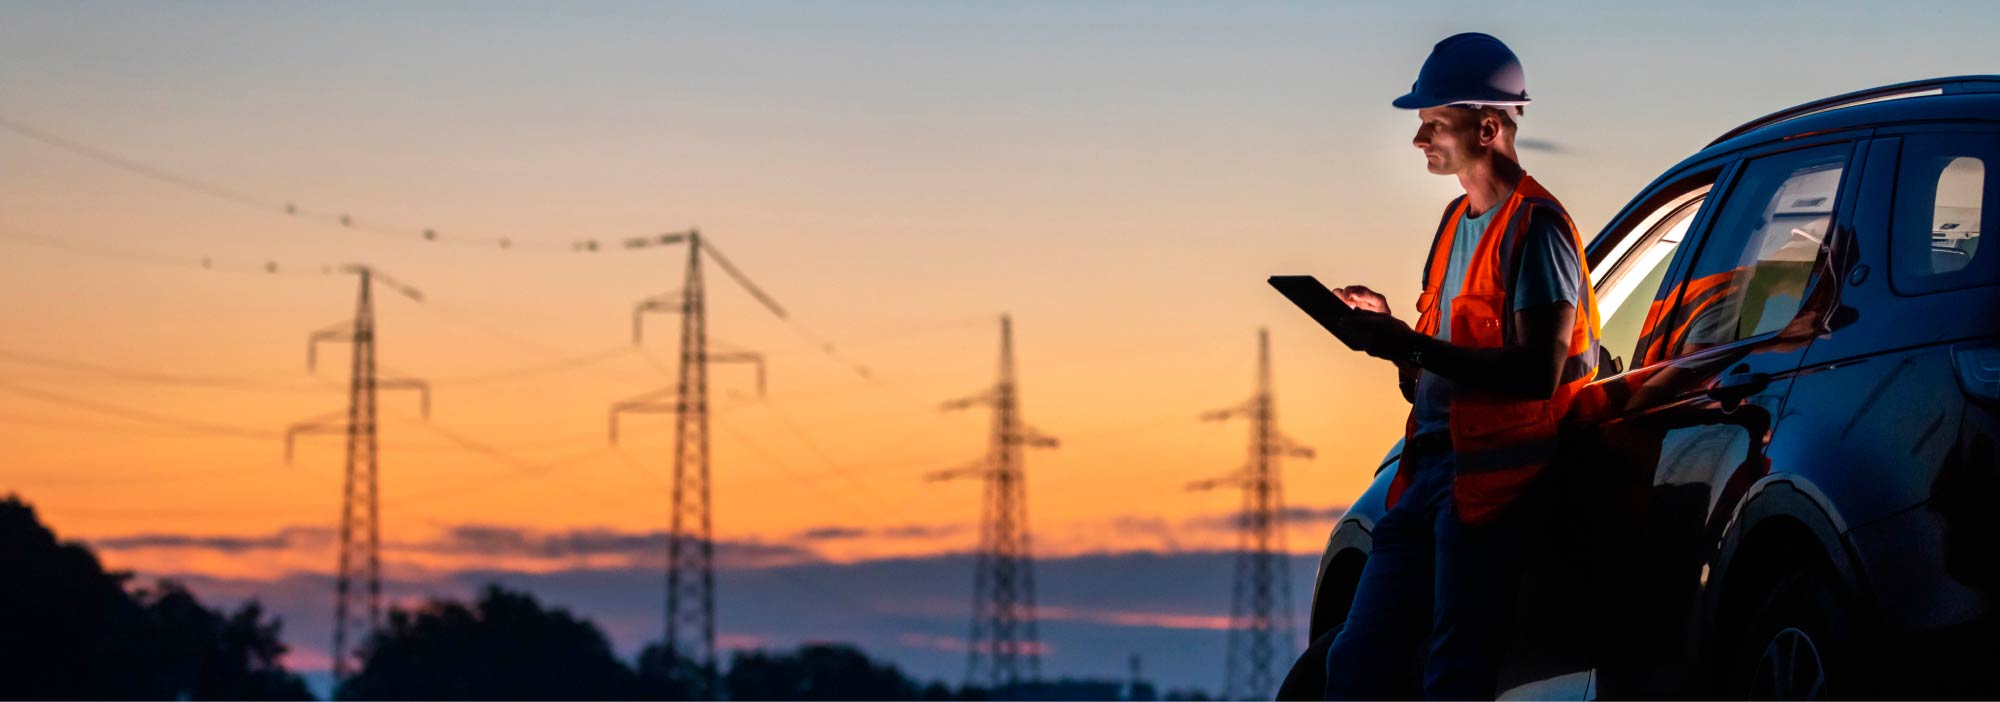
(1449,138)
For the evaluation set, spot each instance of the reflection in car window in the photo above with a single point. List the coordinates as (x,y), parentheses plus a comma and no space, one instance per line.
(1940,212)
(1955,214)
(1628,293)
(1750,277)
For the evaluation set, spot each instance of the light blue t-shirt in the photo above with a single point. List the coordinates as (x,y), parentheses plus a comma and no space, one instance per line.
(1550,271)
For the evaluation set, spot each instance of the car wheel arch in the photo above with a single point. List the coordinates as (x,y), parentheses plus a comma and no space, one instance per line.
(1783,523)
(1340,567)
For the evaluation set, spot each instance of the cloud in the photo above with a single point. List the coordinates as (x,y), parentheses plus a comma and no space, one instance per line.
(1157,620)
(287,538)
(1292,516)
(831,533)
(730,641)
(1542,145)
(904,531)
(958,644)
(636,547)
(482,542)
(921,531)
(491,540)
(1156,528)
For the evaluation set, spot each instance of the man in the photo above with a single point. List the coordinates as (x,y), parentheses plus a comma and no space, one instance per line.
(1506,336)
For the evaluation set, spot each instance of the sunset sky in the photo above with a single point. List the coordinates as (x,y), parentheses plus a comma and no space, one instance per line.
(1119,177)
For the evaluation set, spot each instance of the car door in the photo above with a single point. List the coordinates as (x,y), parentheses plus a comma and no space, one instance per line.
(1671,443)
(1550,654)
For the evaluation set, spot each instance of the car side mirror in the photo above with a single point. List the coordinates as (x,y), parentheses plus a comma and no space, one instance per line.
(1607,364)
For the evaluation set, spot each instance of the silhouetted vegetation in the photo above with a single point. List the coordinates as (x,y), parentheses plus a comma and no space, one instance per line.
(815,672)
(505,646)
(71,630)
(665,678)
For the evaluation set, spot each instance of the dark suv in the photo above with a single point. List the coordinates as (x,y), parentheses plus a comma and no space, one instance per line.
(1785,481)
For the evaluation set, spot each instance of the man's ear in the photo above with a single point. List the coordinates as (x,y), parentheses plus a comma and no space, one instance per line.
(1489,129)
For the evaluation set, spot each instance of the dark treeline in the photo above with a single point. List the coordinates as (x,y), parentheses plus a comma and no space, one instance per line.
(71,630)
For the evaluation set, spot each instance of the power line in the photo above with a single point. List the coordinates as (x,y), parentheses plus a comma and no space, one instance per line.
(819,452)
(138,414)
(203,263)
(559,365)
(112,429)
(807,479)
(292,208)
(138,477)
(525,468)
(522,469)
(203,381)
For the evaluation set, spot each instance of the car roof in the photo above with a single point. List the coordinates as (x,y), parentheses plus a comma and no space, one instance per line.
(1931,100)
(1948,99)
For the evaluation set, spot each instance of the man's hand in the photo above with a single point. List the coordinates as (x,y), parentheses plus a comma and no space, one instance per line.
(1378,334)
(1361,298)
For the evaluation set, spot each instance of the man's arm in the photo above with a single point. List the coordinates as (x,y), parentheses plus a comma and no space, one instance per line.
(1548,282)
(1531,369)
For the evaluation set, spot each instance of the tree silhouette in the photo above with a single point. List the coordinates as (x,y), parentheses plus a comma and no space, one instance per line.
(506,646)
(70,630)
(205,655)
(664,678)
(815,672)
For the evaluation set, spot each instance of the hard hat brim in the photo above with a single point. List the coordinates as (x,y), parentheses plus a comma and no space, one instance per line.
(1415,101)
(1418,101)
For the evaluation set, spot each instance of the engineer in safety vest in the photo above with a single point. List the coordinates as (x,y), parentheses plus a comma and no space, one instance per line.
(1505,337)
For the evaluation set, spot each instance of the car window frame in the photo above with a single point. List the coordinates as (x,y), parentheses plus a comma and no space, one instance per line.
(1897,143)
(1655,210)
(1838,230)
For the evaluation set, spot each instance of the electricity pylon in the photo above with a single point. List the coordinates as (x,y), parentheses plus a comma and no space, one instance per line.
(1003,591)
(1260,611)
(690,625)
(360,510)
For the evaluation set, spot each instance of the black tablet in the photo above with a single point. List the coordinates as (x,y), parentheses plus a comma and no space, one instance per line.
(1317,301)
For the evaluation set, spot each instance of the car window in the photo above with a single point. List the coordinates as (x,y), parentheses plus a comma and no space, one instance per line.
(1751,274)
(1628,291)
(1942,198)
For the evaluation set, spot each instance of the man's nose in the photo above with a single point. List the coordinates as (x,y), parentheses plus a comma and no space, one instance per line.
(1423,138)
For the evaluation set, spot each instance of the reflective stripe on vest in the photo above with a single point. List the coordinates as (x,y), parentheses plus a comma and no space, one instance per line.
(1500,444)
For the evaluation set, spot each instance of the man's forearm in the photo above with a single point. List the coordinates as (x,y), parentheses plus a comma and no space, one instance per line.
(1529,370)
(1513,371)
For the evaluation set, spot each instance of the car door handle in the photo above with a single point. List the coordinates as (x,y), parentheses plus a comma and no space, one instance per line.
(1737,386)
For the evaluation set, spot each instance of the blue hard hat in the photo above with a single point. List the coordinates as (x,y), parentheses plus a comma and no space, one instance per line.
(1468,69)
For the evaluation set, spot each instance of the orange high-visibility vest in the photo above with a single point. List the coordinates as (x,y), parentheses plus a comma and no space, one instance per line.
(1500,443)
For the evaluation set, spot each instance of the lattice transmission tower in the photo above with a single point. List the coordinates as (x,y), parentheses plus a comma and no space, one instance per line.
(690,614)
(1261,637)
(357,603)
(1003,650)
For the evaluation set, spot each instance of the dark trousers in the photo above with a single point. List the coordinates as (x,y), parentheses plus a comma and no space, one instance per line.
(1433,609)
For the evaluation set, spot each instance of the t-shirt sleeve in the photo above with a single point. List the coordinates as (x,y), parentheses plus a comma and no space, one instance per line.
(1551,269)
